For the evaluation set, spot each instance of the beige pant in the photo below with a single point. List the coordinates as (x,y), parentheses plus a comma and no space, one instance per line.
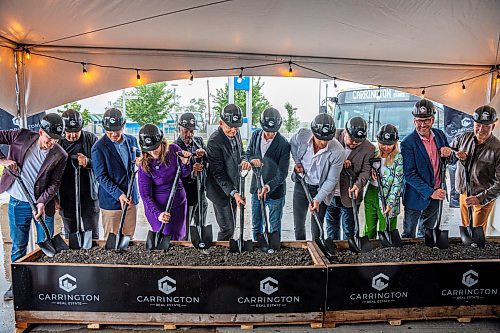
(479,214)
(111,221)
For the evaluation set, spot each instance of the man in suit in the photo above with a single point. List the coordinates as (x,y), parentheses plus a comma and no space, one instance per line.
(113,160)
(269,150)
(224,151)
(40,162)
(320,157)
(358,152)
(78,145)
(195,145)
(421,152)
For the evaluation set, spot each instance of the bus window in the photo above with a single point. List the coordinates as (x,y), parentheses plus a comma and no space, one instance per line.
(396,113)
(346,111)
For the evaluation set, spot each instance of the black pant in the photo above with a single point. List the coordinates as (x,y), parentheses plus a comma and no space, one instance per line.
(300,209)
(194,212)
(90,222)
(226,219)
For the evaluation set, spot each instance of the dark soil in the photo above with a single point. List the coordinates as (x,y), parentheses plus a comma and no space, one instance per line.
(418,252)
(179,255)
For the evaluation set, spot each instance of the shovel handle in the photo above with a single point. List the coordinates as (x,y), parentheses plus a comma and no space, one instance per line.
(310,200)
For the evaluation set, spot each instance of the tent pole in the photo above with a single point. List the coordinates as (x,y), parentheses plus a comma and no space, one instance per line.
(20,89)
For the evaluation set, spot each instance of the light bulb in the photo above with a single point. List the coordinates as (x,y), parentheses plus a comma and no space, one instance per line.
(463,87)
(138,77)
(191,78)
(498,77)
(290,70)
(240,77)
(84,70)
(335,83)
(28,54)
(423,93)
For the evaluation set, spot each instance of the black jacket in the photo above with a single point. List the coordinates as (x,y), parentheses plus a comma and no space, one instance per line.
(223,168)
(189,182)
(276,162)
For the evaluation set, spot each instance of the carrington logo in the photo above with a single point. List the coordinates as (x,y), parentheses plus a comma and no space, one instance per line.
(165,287)
(269,286)
(470,278)
(67,283)
(380,281)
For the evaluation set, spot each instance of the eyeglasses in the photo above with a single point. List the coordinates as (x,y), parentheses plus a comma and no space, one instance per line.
(423,121)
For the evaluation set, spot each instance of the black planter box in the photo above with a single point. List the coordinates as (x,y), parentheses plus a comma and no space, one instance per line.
(208,295)
(412,290)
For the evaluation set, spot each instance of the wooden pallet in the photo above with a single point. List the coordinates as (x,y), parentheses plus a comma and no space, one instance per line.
(395,317)
(169,321)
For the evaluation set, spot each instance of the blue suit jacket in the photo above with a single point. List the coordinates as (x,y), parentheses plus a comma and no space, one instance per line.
(419,176)
(112,175)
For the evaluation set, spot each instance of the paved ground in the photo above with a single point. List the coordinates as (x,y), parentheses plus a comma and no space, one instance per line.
(451,221)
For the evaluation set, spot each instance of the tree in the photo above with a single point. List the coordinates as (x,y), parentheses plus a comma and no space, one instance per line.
(196,105)
(77,107)
(259,101)
(291,122)
(150,103)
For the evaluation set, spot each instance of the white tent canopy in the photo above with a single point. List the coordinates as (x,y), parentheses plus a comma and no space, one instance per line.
(402,43)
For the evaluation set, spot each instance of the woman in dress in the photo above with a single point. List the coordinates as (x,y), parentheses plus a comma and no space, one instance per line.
(157,169)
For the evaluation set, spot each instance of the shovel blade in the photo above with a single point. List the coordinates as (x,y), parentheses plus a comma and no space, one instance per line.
(235,246)
(330,246)
(163,242)
(478,236)
(111,242)
(124,242)
(150,240)
(466,235)
(206,236)
(390,238)
(262,242)
(365,244)
(396,238)
(436,238)
(59,243)
(195,236)
(274,241)
(75,240)
(248,246)
(87,239)
(442,239)
(47,248)
(353,245)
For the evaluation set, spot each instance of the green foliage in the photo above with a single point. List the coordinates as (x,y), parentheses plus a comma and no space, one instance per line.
(291,122)
(259,101)
(77,107)
(196,105)
(149,104)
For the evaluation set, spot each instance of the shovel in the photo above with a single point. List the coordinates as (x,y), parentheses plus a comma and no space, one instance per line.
(388,237)
(268,242)
(121,241)
(470,235)
(157,240)
(79,239)
(241,245)
(201,234)
(326,245)
(356,244)
(50,246)
(435,237)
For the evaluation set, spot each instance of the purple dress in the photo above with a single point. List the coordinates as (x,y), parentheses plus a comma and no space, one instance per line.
(155,187)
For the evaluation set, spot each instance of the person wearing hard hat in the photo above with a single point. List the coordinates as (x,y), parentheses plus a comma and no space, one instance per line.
(113,160)
(483,148)
(40,162)
(319,157)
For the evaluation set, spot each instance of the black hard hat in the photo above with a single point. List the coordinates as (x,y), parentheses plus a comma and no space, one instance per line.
(424,109)
(388,134)
(150,137)
(53,125)
(485,115)
(357,128)
(323,127)
(113,120)
(270,120)
(187,120)
(73,121)
(232,116)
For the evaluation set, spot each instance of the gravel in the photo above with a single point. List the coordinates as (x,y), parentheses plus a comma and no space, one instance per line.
(418,252)
(179,255)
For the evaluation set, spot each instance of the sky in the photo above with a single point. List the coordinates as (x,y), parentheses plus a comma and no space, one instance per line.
(303,93)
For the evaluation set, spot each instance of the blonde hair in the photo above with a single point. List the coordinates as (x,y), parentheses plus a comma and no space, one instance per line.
(392,156)
(146,157)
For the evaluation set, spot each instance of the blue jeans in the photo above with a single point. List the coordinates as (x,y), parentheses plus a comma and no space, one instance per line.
(418,220)
(334,214)
(20,216)
(275,207)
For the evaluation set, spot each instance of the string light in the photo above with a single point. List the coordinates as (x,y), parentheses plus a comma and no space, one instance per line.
(191,78)
(138,77)
(498,77)
(84,70)
(240,77)
(334,83)
(423,93)
(290,70)
(378,92)
(28,54)
(463,87)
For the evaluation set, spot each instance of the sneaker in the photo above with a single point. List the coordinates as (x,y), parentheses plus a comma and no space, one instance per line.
(8,296)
